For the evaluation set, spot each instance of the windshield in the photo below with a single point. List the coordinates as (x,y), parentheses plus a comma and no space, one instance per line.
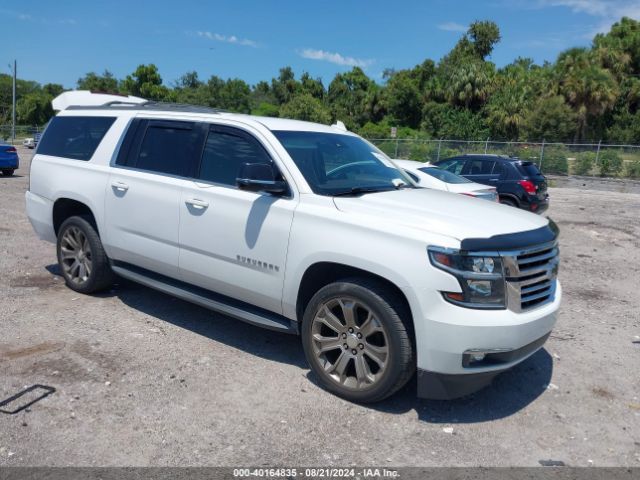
(335,164)
(444,175)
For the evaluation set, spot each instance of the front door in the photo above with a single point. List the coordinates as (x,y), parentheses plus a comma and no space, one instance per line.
(232,241)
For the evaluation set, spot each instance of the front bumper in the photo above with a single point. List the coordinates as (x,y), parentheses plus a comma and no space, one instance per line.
(449,331)
(442,386)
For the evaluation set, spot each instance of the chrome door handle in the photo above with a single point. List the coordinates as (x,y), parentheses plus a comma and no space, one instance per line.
(120,186)
(196,203)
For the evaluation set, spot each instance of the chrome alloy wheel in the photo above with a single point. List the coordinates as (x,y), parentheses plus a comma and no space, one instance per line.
(75,254)
(349,343)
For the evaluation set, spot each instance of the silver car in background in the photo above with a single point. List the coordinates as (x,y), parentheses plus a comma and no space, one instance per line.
(429,176)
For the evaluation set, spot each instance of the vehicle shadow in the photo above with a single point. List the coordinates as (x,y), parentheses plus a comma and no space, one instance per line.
(509,393)
(268,344)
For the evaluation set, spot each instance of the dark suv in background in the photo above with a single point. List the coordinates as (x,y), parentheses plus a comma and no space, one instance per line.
(519,182)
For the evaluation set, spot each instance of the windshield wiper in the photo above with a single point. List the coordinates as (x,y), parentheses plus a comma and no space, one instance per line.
(362,190)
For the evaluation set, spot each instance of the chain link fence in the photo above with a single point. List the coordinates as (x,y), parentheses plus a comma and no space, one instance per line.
(22,132)
(586,159)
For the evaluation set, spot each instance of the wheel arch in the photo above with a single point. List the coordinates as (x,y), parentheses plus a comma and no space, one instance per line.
(510,196)
(323,273)
(65,207)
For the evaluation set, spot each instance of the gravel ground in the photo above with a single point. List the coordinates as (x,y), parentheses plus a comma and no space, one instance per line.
(144,379)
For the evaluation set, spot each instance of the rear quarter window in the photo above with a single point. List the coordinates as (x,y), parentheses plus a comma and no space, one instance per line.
(75,138)
(529,169)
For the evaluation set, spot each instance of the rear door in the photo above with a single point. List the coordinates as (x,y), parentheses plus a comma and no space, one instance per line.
(479,170)
(142,201)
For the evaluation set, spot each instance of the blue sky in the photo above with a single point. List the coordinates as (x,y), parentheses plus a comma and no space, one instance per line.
(250,39)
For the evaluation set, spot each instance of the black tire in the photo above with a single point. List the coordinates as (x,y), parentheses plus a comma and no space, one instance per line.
(509,202)
(7,173)
(100,276)
(394,318)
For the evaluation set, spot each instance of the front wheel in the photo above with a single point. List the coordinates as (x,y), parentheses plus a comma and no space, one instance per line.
(82,259)
(356,339)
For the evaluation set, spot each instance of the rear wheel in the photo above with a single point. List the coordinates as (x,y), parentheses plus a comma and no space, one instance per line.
(356,341)
(82,259)
(7,173)
(508,201)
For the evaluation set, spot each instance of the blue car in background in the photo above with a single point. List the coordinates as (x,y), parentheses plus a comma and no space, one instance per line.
(9,161)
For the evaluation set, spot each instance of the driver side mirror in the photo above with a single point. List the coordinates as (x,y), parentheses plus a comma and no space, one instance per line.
(259,177)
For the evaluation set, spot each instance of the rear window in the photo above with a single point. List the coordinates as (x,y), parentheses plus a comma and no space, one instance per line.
(74,137)
(529,169)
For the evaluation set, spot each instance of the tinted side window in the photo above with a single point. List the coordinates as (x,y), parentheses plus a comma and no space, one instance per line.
(498,170)
(74,137)
(169,147)
(225,151)
(453,165)
(478,167)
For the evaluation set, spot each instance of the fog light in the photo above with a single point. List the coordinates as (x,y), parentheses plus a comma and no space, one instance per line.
(477,357)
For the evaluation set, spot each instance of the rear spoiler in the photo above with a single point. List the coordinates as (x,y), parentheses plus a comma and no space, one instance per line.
(86,98)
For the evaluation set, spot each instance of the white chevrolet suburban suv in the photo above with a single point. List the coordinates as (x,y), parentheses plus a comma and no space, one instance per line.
(298,227)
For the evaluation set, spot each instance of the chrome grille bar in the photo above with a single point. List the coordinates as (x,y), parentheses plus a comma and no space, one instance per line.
(531,276)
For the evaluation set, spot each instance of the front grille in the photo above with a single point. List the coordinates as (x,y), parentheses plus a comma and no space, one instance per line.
(531,276)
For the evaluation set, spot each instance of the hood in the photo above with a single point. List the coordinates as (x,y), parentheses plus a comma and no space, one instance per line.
(442,213)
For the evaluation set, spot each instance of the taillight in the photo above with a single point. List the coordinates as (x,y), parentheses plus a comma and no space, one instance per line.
(528,186)
(11,150)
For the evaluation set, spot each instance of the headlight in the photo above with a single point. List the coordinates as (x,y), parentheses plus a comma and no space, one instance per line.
(481,277)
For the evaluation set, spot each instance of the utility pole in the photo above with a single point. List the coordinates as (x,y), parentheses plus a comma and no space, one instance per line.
(13,114)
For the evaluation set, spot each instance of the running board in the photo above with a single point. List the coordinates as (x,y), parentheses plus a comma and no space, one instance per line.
(204,298)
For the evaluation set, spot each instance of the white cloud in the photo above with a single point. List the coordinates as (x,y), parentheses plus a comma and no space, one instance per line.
(607,11)
(452,27)
(336,58)
(228,39)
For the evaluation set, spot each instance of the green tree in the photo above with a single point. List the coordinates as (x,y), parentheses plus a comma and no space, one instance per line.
(285,86)
(34,109)
(484,36)
(52,89)
(349,97)
(441,120)
(306,107)
(146,82)
(609,163)
(633,169)
(589,88)
(403,99)
(584,163)
(550,119)
(98,83)
(555,160)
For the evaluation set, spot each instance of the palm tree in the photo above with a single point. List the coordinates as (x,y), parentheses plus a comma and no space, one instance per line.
(590,89)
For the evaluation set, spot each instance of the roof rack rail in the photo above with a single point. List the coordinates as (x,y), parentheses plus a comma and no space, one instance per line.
(149,105)
(86,100)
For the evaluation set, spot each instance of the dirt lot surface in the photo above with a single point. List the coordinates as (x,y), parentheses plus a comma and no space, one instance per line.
(143,379)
